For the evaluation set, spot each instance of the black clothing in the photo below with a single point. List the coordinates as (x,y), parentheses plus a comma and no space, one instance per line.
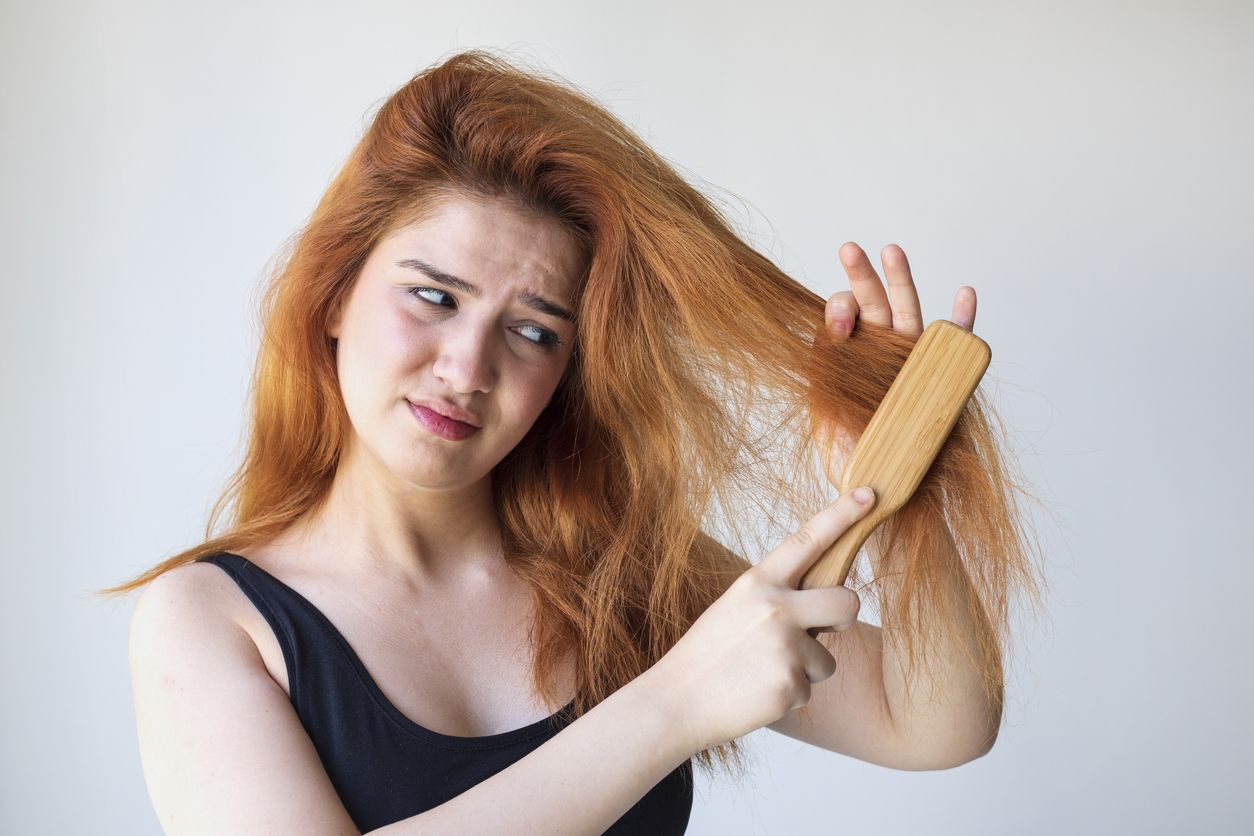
(384,766)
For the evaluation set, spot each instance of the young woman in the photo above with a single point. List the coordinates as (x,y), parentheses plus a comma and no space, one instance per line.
(512,373)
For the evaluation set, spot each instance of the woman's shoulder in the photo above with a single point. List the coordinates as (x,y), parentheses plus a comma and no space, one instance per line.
(197,597)
(188,659)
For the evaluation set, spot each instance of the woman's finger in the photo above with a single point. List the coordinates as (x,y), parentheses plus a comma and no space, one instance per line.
(903,297)
(964,307)
(818,660)
(840,314)
(824,609)
(867,288)
(788,562)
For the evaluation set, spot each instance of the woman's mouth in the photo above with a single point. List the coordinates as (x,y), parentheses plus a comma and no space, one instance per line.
(437,424)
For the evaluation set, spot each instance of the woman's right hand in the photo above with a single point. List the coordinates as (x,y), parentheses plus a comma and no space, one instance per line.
(748,659)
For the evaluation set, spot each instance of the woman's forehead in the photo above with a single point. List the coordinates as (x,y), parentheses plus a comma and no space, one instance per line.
(493,241)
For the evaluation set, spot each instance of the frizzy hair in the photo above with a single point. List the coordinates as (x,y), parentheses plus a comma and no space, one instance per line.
(680,445)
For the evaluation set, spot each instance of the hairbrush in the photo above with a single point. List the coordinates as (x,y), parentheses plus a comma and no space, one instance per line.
(904,435)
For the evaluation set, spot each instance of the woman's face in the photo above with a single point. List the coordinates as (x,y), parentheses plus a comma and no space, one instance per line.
(462,309)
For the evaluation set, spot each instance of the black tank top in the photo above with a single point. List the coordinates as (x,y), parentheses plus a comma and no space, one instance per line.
(384,766)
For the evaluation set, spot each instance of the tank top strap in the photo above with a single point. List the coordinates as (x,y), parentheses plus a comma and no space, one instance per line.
(303,633)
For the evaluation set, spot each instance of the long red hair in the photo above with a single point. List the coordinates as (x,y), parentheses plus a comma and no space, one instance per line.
(683,422)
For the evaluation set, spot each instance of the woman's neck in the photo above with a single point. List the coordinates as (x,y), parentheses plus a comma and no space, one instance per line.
(371,526)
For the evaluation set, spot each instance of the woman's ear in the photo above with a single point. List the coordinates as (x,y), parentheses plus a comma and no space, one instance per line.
(333,322)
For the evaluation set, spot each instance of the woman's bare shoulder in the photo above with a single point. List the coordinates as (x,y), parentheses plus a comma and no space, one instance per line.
(190,658)
(192,597)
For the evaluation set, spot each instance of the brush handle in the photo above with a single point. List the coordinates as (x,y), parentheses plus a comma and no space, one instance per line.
(905,434)
(832,569)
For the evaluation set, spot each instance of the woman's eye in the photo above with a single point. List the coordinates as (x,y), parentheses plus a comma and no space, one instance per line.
(416,291)
(545,338)
(548,340)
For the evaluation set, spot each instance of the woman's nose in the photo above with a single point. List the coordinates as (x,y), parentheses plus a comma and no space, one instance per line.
(465,360)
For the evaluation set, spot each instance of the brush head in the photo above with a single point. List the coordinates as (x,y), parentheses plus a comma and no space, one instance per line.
(904,435)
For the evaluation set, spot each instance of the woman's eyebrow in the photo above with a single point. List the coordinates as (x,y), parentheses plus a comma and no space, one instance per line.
(529,299)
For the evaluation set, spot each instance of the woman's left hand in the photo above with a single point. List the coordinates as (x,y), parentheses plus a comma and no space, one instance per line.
(898,308)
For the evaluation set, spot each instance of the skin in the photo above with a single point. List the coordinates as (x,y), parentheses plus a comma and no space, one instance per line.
(407,506)
(896,307)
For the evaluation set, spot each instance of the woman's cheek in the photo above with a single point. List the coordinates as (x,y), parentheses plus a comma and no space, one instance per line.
(410,340)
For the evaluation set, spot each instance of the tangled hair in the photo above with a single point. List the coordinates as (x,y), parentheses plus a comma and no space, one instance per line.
(686,418)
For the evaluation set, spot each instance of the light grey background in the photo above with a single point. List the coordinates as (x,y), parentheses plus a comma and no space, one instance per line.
(1085,166)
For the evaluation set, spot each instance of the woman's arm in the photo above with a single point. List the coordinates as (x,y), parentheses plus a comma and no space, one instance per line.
(580,782)
(224,752)
(961,724)
(865,710)
(905,726)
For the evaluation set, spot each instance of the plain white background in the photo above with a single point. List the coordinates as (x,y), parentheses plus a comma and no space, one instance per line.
(1085,166)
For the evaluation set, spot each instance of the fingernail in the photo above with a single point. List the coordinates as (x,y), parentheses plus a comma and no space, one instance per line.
(863,495)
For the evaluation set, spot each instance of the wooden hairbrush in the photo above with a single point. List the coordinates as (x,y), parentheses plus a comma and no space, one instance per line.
(904,435)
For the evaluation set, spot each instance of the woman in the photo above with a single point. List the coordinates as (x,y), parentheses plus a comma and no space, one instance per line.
(511,371)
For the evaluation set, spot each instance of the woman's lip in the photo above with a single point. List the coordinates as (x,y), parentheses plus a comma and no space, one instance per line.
(437,424)
(448,411)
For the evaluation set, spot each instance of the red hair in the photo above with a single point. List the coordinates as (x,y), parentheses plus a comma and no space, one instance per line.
(685,412)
